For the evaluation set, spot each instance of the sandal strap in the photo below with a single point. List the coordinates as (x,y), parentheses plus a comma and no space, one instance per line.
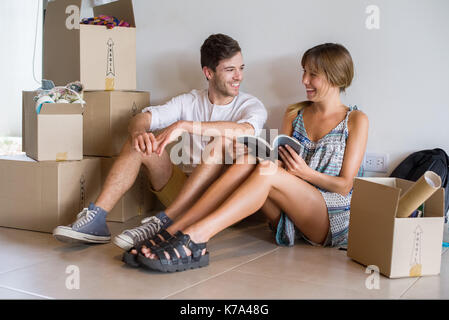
(195,248)
(178,241)
(161,255)
(164,233)
(147,243)
(160,252)
(157,240)
(179,246)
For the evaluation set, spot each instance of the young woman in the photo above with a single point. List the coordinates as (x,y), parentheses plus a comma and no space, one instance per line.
(306,194)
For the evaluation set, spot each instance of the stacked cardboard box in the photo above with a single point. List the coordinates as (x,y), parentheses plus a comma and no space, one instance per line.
(70,148)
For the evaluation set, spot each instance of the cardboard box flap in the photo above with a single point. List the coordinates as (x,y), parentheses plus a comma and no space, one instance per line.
(122,10)
(371,205)
(28,103)
(391,182)
(403,184)
(370,237)
(434,206)
(61,42)
(61,108)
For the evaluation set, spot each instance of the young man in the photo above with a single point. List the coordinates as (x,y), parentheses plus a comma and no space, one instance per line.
(221,111)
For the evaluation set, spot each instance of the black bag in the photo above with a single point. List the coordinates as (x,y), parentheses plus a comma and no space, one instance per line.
(416,164)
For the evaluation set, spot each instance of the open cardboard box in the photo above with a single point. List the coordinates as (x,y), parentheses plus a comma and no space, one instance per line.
(55,134)
(101,58)
(399,247)
(106,118)
(40,196)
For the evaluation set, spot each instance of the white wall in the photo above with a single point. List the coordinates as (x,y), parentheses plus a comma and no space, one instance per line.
(402,69)
(17,36)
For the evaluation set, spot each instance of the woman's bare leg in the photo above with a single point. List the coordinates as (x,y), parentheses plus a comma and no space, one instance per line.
(214,195)
(272,212)
(303,202)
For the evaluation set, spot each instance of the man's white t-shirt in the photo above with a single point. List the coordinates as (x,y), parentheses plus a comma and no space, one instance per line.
(196,106)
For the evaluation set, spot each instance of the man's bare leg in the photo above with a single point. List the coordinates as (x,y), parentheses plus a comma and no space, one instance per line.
(92,228)
(124,172)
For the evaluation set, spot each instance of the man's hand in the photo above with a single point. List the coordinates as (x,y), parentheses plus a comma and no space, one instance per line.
(169,134)
(144,142)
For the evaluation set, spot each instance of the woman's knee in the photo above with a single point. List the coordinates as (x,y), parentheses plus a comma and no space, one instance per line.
(267,168)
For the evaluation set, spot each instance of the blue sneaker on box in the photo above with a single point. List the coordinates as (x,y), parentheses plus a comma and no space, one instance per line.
(89,227)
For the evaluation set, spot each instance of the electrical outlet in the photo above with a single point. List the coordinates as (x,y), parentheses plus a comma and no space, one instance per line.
(376,162)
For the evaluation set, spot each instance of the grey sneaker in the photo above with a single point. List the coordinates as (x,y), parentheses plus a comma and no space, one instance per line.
(90,227)
(132,237)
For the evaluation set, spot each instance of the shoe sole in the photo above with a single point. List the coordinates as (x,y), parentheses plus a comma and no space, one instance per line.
(156,264)
(122,243)
(71,236)
(130,259)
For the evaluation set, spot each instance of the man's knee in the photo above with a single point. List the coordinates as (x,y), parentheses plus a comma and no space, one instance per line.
(129,149)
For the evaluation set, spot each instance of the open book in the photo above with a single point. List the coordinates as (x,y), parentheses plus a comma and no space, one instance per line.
(260,148)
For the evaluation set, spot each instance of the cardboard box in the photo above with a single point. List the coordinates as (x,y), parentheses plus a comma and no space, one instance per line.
(39,196)
(106,119)
(399,247)
(136,201)
(55,134)
(101,58)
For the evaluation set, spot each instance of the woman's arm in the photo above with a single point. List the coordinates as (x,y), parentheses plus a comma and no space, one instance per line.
(355,149)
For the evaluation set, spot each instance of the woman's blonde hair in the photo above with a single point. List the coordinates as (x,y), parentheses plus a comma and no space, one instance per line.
(331,59)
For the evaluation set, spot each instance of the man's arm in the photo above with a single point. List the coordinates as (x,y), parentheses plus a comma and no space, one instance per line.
(226,129)
(142,140)
(140,122)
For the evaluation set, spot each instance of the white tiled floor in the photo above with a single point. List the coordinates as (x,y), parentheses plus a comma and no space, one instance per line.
(245,263)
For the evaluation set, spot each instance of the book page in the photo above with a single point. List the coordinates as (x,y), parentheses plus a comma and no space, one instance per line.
(282,140)
(257,147)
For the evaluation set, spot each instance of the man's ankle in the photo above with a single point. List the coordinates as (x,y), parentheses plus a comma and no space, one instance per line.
(96,208)
(166,220)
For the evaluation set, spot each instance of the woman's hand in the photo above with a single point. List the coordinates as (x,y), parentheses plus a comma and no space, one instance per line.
(294,164)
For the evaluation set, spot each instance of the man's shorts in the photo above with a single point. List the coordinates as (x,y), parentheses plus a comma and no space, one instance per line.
(174,185)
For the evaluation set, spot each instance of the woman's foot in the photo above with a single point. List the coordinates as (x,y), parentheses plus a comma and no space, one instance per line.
(193,237)
(179,253)
(130,257)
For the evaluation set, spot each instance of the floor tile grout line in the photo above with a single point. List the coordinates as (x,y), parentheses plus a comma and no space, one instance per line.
(413,284)
(17,268)
(409,288)
(25,266)
(218,274)
(26,292)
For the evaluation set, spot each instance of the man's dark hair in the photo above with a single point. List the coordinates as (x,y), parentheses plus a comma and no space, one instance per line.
(216,48)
